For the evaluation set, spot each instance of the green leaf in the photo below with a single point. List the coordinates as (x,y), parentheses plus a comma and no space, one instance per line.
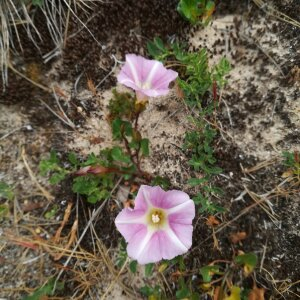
(190,9)
(73,159)
(249,260)
(51,164)
(146,290)
(197,181)
(122,255)
(118,155)
(58,177)
(6,191)
(157,49)
(52,212)
(182,293)
(97,195)
(46,290)
(149,269)
(122,105)
(208,271)
(127,128)
(116,129)
(161,181)
(159,43)
(37,2)
(133,266)
(152,49)
(145,147)
(85,185)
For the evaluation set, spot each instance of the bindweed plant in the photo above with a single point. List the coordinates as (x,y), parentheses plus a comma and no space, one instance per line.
(95,177)
(198,85)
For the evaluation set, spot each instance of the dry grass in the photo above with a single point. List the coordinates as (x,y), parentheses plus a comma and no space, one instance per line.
(19,13)
(91,273)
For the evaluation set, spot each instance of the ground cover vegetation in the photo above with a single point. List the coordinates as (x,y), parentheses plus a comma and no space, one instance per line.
(106,189)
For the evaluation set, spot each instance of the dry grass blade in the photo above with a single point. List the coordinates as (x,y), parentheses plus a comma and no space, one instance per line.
(28,79)
(47,195)
(270,10)
(261,165)
(268,209)
(91,220)
(56,14)
(114,280)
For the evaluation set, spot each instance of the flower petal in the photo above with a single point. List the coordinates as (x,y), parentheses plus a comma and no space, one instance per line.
(131,72)
(149,196)
(155,246)
(184,233)
(154,93)
(174,198)
(139,244)
(182,214)
(130,221)
(126,80)
(146,76)
(163,79)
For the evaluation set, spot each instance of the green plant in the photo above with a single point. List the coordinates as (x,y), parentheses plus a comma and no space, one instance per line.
(6,191)
(292,162)
(152,293)
(199,84)
(225,273)
(46,290)
(196,11)
(207,272)
(185,291)
(95,177)
(124,115)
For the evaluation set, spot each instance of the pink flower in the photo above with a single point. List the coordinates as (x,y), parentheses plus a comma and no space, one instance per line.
(159,226)
(147,77)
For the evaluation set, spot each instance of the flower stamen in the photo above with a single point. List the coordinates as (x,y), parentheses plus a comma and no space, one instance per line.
(155,218)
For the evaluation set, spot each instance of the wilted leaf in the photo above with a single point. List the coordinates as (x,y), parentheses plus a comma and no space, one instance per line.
(212,221)
(287,173)
(96,170)
(29,206)
(235,293)
(237,237)
(122,193)
(257,294)
(4,210)
(163,267)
